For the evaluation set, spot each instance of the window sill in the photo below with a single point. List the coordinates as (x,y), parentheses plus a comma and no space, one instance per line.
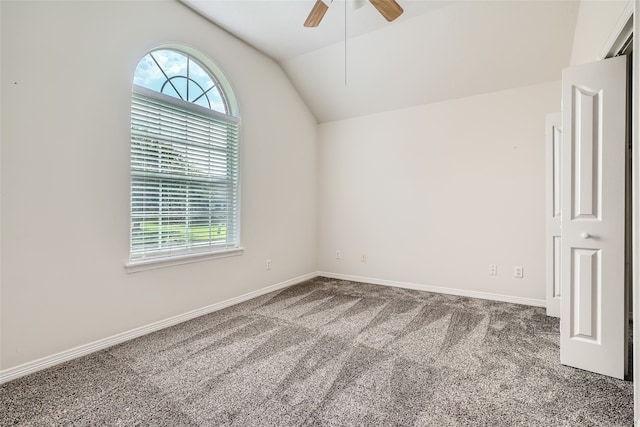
(152,264)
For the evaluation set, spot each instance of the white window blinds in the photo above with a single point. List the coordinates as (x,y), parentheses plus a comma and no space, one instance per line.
(184,177)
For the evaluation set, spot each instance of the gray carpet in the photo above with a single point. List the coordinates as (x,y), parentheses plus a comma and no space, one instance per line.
(331,353)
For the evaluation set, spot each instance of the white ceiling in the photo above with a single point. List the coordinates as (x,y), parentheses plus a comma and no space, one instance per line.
(437,50)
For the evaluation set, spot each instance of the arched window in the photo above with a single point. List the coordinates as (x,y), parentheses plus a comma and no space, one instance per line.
(184,160)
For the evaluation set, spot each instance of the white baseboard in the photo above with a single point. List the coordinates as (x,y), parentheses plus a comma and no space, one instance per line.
(437,289)
(83,350)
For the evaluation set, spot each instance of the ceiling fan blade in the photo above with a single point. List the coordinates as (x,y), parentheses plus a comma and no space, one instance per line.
(316,14)
(387,8)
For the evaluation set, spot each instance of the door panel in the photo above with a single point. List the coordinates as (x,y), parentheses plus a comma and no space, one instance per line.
(587,144)
(585,289)
(592,322)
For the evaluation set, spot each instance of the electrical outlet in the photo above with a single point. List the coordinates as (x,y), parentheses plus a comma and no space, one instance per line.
(363,258)
(338,255)
(518,272)
(268,264)
(493,270)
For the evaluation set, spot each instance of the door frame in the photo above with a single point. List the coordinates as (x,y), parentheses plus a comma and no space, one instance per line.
(629,24)
(635,161)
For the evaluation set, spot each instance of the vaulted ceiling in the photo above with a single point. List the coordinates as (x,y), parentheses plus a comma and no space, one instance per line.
(356,63)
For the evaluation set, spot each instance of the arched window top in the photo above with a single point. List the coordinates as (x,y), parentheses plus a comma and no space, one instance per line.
(181,76)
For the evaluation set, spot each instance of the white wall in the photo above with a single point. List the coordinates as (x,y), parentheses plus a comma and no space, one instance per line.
(596,21)
(436,193)
(67,69)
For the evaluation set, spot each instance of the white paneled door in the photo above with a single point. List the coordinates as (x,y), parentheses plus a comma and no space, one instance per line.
(553,128)
(593,315)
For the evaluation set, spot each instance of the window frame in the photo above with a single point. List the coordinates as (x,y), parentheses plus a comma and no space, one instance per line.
(189,254)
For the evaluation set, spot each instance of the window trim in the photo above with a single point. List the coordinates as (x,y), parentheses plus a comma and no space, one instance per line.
(153,263)
(204,254)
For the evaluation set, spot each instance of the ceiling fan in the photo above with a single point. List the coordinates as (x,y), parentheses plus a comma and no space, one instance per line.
(387,8)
